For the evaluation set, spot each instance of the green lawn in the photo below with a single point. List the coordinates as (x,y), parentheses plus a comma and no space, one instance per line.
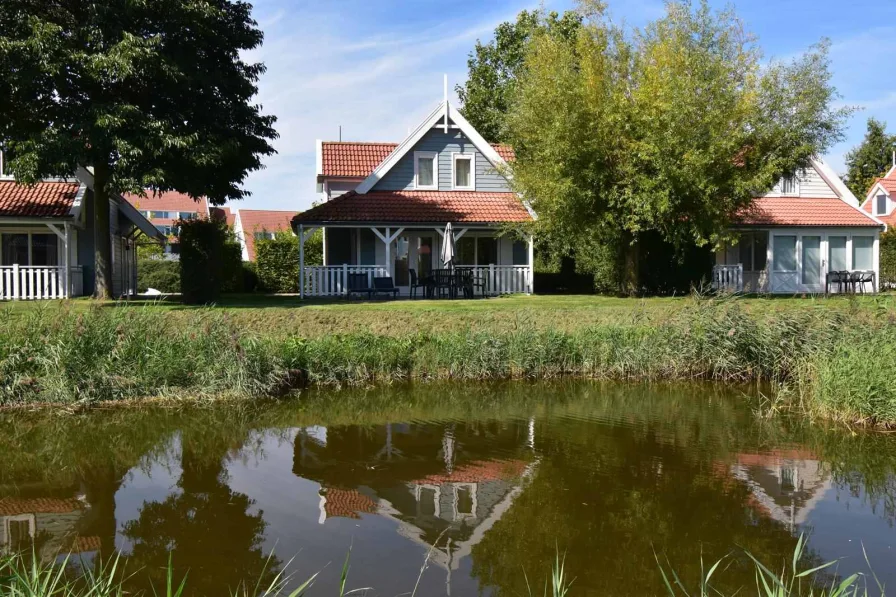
(289,315)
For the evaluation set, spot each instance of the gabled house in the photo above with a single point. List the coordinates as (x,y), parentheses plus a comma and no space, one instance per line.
(880,201)
(251,225)
(386,206)
(792,237)
(47,239)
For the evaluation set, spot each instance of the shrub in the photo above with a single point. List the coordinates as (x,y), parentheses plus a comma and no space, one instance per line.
(161,274)
(888,258)
(277,260)
(210,260)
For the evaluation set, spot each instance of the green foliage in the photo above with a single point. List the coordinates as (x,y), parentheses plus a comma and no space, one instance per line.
(669,129)
(888,258)
(108,354)
(161,274)
(153,95)
(148,249)
(277,260)
(210,261)
(871,159)
(493,68)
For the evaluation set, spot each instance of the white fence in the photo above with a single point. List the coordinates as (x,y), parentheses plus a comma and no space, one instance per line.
(728,278)
(332,280)
(34,282)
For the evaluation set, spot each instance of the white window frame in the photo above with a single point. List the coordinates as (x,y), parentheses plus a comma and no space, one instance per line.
(463,156)
(434,156)
(3,174)
(796,186)
(886,205)
(29,518)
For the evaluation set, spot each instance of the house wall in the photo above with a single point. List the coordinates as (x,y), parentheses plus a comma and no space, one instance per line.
(85,249)
(777,282)
(335,188)
(401,176)
(811,184)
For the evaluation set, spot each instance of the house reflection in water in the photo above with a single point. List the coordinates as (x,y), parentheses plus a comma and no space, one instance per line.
(786,485)
(50,524)
(437,483)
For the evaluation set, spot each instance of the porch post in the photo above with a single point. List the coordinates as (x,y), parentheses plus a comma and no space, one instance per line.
(531,289)
(388,241)
(324,235)
(301,261)
(68,264)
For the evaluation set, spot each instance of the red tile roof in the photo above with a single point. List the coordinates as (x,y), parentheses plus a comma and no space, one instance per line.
(43,200)
(351,159)
(347,503)
(262,220)
(420,207)
(11,506)
(803,211)
(889,185)
(223,213)
(167,201)
(478,472)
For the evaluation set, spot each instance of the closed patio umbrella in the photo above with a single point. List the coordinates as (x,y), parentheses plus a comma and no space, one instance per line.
(448,247)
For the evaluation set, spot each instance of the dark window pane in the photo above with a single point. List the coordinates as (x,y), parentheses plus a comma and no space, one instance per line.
(520,252)
(44,249)
(488,250)
(368,247)
(466,251)
(760,251)
(745,245)
(19,535)
(15,249)
(464,500)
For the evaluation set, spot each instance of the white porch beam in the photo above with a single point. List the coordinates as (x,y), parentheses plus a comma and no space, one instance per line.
(394,236)
(388,241)
(56,230)
(531,289)
(302,238)
(379,234)
(460,233)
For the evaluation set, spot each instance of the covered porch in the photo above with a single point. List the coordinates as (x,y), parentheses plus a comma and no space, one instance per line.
(37,261)
(800,260)
(410,253)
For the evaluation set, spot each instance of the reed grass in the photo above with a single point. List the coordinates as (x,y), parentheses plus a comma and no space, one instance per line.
(830,365)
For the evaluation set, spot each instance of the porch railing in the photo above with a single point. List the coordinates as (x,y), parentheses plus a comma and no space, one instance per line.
(728,278)
(503,279)
(332,280)
(35,282)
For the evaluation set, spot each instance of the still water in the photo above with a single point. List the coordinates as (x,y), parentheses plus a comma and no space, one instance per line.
(482,484)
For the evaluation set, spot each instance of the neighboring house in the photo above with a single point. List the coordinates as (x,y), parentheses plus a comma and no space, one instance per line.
(47,239)
(386,207)
(48,525)
(809,225)
(881,198)
(165,210)
(257,224)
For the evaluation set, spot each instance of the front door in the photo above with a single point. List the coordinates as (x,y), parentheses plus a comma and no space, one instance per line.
(812,276)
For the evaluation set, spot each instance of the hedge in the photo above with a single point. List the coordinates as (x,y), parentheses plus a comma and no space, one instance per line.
(210,261)
(277,260)
(888,259)
(161,274)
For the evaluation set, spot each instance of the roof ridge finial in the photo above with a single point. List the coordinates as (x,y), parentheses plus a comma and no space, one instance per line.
(445,101)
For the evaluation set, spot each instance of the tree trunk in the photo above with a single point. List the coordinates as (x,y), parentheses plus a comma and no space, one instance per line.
(631,264)
(102,233)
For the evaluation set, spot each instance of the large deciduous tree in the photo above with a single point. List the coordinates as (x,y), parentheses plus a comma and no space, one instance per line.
(871,159)
(673,129)
(493,67)
(148,94)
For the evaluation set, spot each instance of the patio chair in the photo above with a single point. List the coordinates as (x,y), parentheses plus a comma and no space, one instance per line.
(441,282)
(385,285)
(357,284)
(862,278)
(839,278)
(416,283)
(464,281)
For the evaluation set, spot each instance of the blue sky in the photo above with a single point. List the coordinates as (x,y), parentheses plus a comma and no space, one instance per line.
(375,66)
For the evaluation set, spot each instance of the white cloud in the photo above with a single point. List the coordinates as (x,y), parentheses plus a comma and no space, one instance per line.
(325,70)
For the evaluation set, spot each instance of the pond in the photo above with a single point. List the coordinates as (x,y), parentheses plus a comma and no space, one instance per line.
(483,484)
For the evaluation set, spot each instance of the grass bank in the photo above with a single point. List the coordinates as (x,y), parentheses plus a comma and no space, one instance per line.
(833,361)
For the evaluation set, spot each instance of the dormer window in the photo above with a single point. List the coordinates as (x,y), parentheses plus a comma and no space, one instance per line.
(426,171)
(463,165)
(880,205)
(790,185)
(4,168)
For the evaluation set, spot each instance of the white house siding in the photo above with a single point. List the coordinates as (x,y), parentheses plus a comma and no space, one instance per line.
(335,188)
(811,184)
(401,176)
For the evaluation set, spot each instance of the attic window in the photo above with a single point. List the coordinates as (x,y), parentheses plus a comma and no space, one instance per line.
(463,166)
(790,185)
(880,206)
(4,169)
(426,171)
